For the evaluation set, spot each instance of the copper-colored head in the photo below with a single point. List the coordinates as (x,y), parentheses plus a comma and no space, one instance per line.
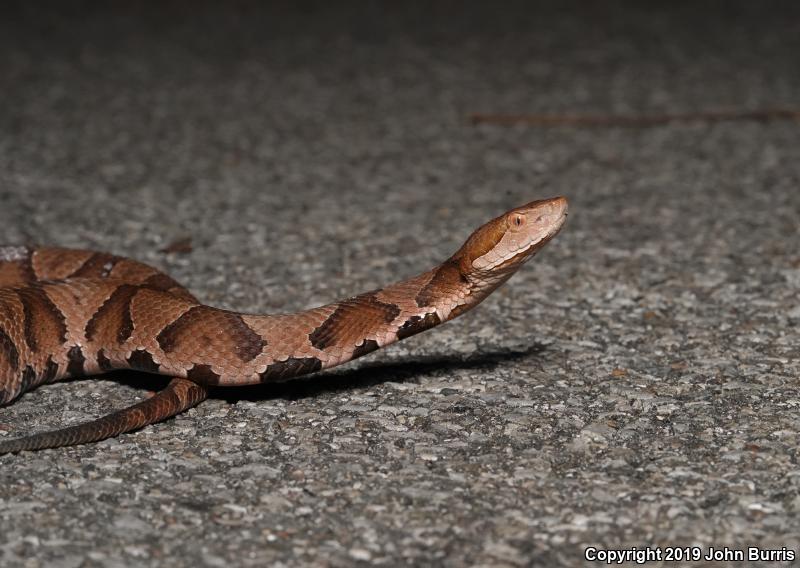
(506,242)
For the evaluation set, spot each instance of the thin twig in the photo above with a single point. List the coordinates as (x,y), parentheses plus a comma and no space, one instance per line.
(180,246)
(634,121)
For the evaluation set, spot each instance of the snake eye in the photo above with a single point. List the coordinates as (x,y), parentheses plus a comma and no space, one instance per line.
(517,220)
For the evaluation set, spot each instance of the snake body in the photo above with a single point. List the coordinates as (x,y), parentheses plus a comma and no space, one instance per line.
(73,313)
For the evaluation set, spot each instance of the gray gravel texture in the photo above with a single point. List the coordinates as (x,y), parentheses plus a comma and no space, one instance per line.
(635,385)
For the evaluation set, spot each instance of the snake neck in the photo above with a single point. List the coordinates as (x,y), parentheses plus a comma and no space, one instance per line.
(444,292)
(457,287)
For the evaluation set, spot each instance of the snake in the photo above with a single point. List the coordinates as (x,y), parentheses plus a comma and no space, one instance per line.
(68,313)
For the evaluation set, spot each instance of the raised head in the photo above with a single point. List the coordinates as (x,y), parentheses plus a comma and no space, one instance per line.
(501,246)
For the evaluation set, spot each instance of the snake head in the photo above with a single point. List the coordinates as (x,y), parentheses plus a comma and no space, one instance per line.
(503,244)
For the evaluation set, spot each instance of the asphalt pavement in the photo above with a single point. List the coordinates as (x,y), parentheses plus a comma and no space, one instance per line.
(636,385)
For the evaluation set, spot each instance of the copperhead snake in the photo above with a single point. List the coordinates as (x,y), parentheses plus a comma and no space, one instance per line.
(68,313)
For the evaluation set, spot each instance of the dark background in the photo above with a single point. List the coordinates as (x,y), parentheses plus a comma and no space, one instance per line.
(636,385)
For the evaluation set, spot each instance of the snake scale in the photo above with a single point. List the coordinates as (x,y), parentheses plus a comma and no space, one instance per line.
(74,313)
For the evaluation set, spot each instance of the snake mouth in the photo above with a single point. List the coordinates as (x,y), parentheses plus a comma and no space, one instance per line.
(550,216)
(560,208)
